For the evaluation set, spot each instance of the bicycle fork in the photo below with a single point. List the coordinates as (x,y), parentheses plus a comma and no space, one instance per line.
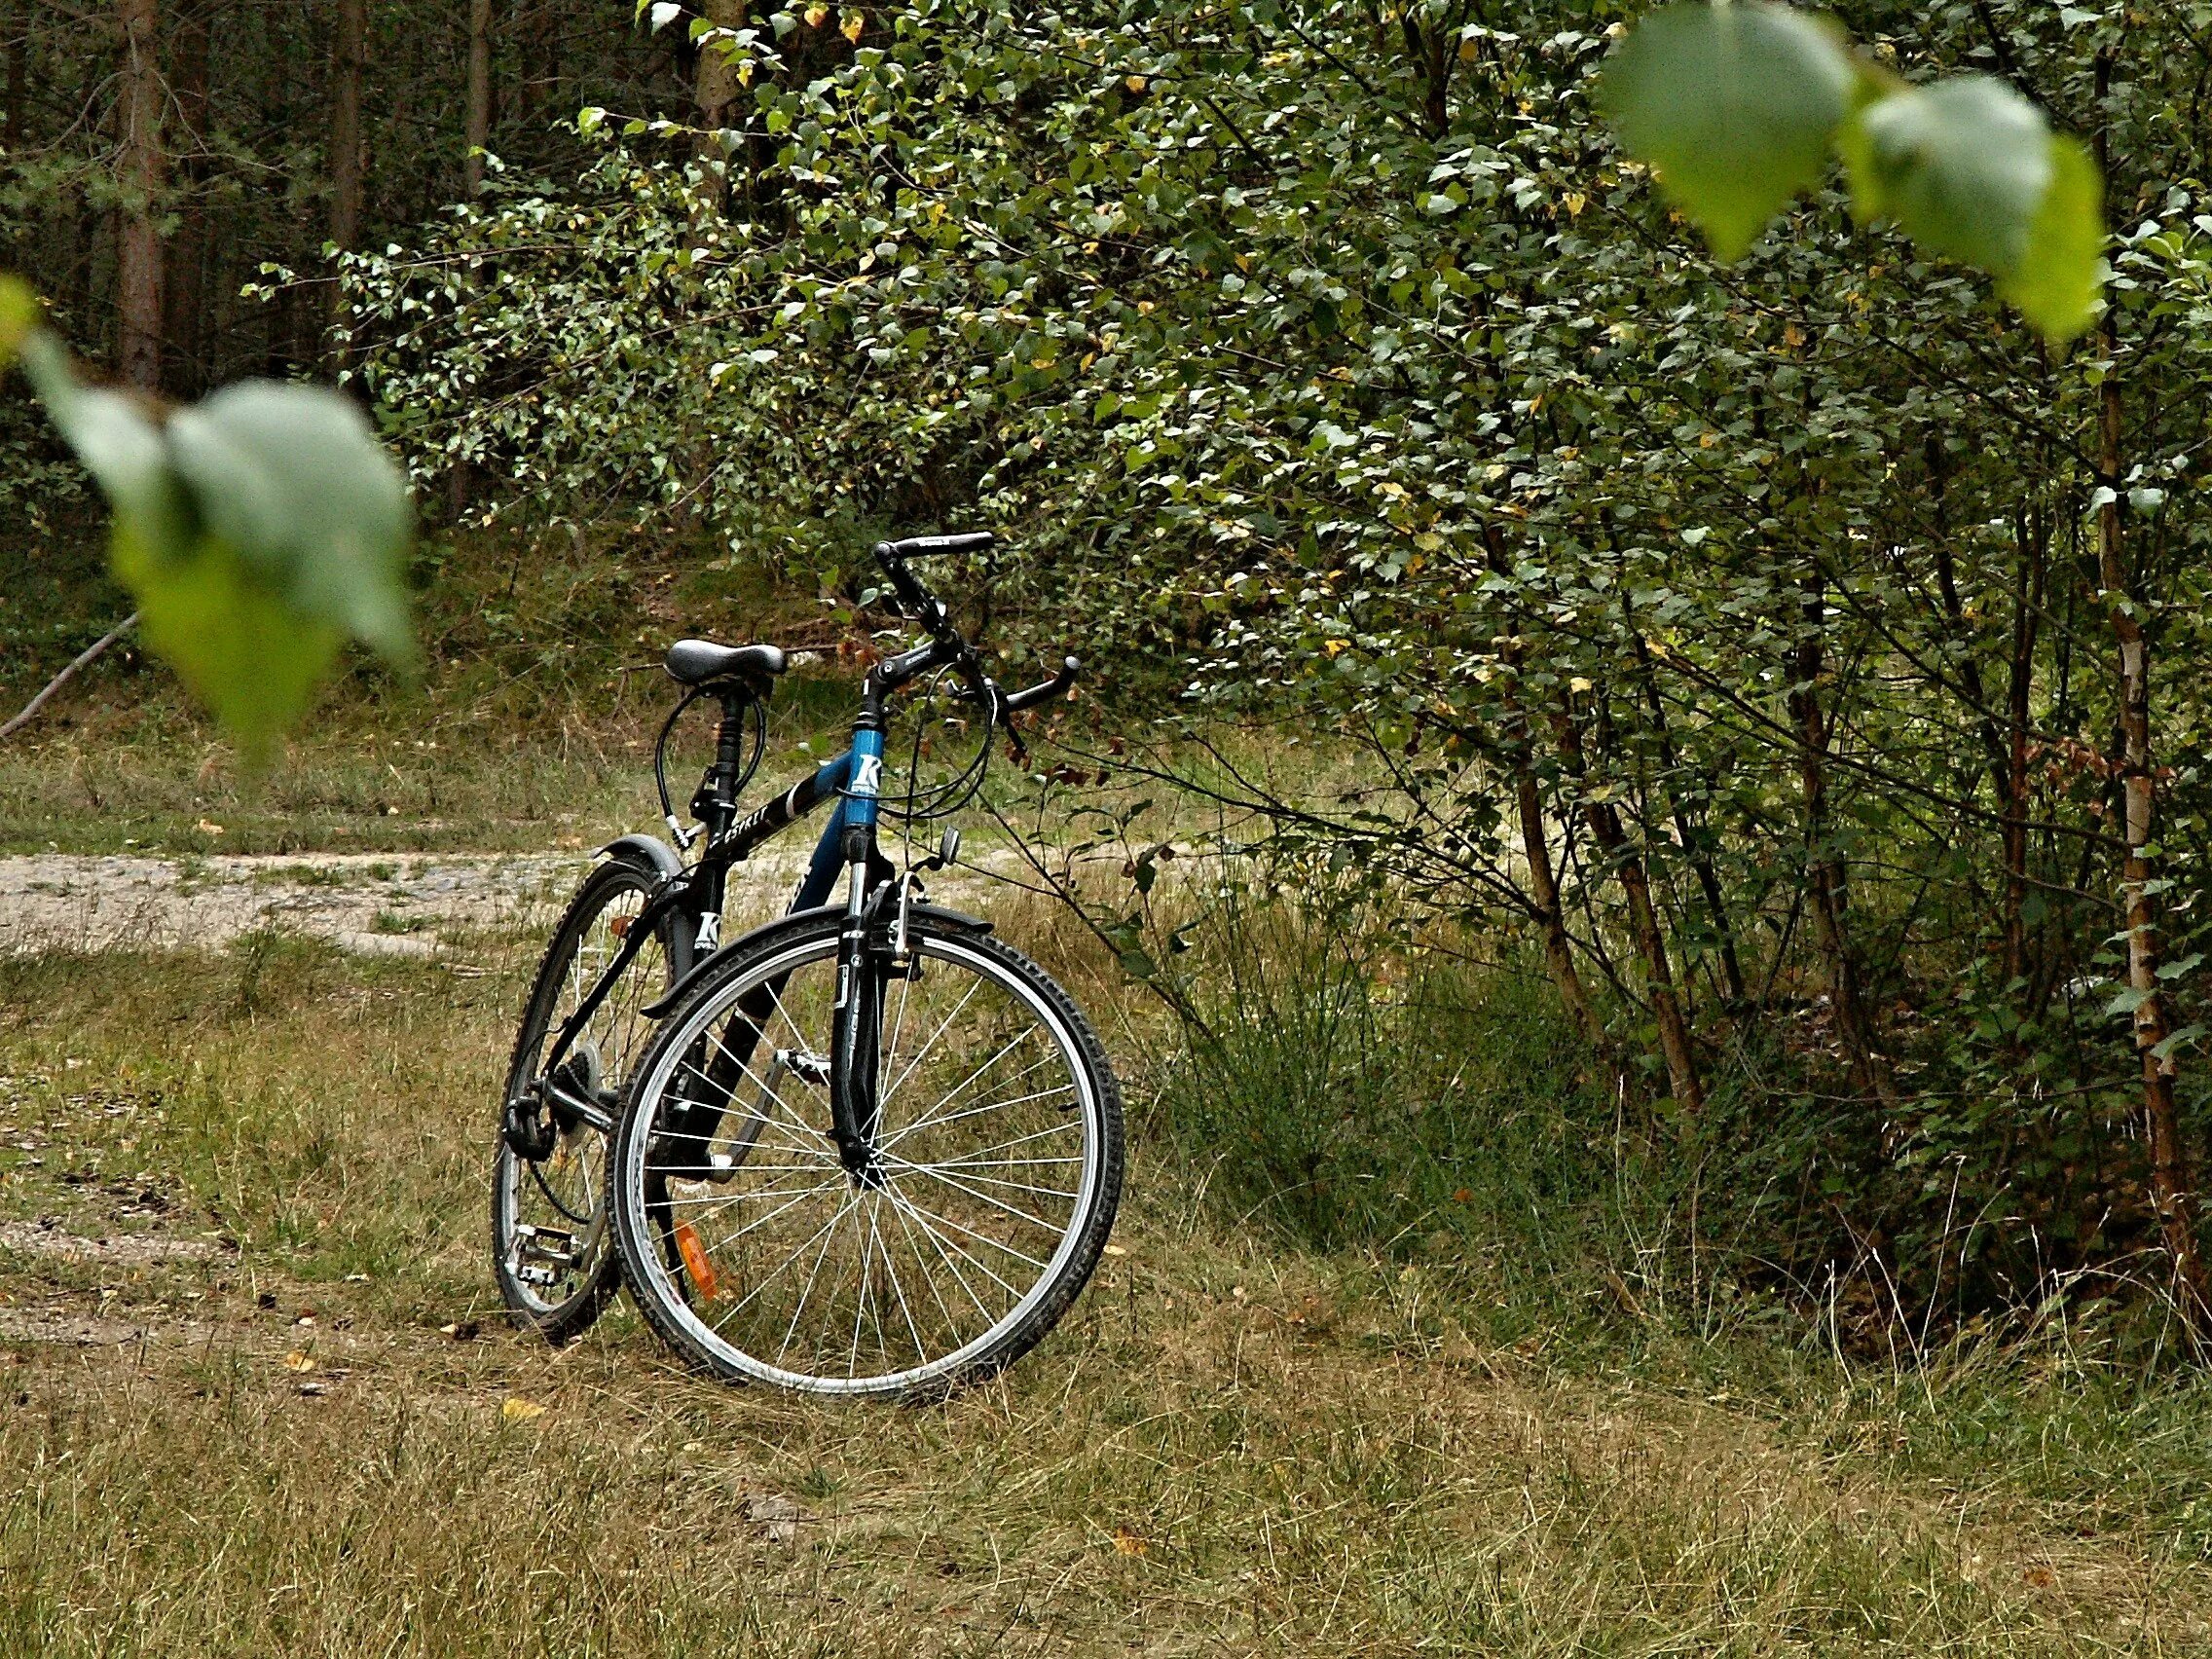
(856,1040)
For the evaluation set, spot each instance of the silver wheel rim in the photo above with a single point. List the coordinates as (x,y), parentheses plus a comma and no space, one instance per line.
(805,1195)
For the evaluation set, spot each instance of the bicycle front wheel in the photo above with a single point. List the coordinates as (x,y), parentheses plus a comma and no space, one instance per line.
(999,1137)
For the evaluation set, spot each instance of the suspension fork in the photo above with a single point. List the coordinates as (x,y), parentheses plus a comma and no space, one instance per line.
(855,1046)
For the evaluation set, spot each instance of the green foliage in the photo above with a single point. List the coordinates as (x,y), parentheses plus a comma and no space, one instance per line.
(1340,375)
(1347,1094)
(1737,106)
(258,529)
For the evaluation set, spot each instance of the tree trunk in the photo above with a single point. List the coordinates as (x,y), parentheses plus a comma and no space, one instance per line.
(718,91)
(1536,846)
(1690,827)
(478,119)
(1604,820)
(2173,1192)
(2027,606)
(138,165)
(189,374)
(349,61)
(460,476)
(1827,891)
(19,18)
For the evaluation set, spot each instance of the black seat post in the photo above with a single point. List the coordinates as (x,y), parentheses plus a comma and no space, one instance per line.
(729,756)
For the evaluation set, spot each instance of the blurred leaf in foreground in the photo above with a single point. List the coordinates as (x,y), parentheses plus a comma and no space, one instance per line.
(1738,106)
(1970,168)
(258,529)
(1734,106)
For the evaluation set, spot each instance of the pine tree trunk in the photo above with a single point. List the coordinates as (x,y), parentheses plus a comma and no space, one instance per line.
(349,61)
(189,373)
(2173,1192)
(478,117)
(460,482)
(19,18)
(139,170)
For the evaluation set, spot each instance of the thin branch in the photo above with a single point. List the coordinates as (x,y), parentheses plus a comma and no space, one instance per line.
(89,656)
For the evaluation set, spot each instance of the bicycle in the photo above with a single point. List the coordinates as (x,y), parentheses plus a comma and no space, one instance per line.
(779,1099)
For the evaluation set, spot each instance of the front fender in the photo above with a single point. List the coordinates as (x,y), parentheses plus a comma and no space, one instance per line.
(797,921)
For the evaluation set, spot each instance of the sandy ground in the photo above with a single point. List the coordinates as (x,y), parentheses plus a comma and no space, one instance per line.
(387,904)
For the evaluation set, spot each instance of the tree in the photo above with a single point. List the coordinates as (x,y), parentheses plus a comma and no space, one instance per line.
(139,181)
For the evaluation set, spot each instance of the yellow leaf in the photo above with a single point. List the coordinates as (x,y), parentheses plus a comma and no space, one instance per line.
(208,829)
(1135,83)
(298,1361)
(1333,646)
(1792,335)
(1576,203)
(1578,683)
(1116,1250)
(744,73)
(1126,1542)
(817,16)
(515,1409)
(851,27)
(1468,50)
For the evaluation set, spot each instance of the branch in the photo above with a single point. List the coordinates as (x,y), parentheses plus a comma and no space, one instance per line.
(90,654)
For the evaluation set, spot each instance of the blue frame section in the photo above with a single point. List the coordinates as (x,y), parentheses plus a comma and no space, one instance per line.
(852,777)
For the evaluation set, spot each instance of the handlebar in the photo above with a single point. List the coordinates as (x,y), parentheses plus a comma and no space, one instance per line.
(1057,686)
(929,546)
(948,645)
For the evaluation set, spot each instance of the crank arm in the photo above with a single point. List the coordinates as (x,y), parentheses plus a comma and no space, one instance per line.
(588,1111)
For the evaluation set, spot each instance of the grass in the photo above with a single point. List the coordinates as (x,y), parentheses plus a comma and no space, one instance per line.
(1236,1442)
(1398,1354)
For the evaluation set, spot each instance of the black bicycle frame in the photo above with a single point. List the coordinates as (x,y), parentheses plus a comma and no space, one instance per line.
(848,839)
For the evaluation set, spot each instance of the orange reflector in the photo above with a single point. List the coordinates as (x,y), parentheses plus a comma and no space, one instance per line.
(618,926)
(696,1261)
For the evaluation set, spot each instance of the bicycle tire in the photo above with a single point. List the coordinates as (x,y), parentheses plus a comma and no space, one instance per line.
(671,1297)
(560,1320)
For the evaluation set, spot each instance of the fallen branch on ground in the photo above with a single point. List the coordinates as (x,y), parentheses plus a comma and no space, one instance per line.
(89,654)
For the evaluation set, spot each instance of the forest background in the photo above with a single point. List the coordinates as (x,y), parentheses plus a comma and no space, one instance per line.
(1789,673)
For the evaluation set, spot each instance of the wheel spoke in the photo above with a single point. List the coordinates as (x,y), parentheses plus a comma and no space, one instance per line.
(972,1111)
(984,1198)
(830,1283)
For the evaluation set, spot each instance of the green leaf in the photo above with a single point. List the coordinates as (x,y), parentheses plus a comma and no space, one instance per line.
(291,479)
(1733,107)
(257,531)
(117,439)
(240,648)
(18,317)
(2060,277)
(1970,168)
(1962,166)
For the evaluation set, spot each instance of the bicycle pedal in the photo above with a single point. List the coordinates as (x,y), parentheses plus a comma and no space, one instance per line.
(544,1248)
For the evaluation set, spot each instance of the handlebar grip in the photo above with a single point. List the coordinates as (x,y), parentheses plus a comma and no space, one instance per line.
(925,546)
(1057,686)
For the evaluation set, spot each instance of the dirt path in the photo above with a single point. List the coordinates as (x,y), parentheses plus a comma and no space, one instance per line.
(388,904)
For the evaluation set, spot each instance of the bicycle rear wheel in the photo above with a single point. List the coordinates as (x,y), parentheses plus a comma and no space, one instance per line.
(758,1256)
(552,1249)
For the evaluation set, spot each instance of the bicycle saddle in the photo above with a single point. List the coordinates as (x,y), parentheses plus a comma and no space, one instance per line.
(699,662)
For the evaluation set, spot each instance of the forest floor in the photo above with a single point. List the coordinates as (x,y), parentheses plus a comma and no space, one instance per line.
(261,1398)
